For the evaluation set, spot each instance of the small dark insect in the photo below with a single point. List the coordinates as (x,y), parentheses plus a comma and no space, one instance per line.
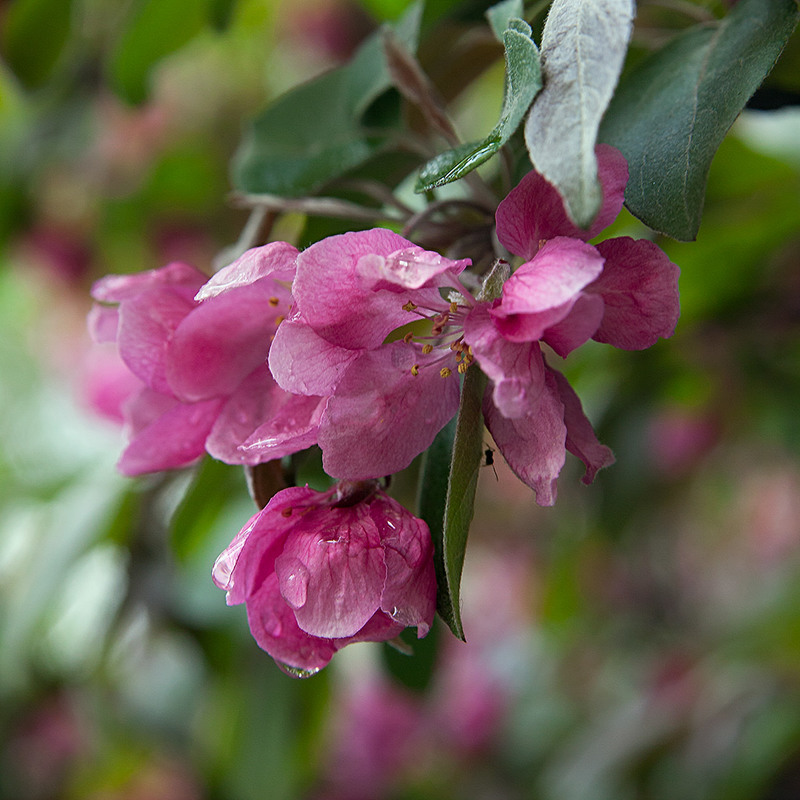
(488,456)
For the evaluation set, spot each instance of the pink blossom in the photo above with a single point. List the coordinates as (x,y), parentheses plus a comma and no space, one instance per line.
(350,337)
(198,350)
(319,571)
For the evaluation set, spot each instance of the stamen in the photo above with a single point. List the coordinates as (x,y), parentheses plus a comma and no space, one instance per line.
(415,369)
(428,348)
(408,337)
(287,512)
(279,319)
(409,306)
(273,301)
(462,367)
(453,307)
(445,372)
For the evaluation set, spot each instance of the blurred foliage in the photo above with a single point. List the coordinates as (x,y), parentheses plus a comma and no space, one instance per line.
(639,640)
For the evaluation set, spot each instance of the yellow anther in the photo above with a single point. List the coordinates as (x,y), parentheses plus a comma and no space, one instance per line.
(462,367)
(453,307)
(409,306)
(445,372)
(428,348)
(273,301)
(408,337)
(459,356)
(415,369)
(279,319)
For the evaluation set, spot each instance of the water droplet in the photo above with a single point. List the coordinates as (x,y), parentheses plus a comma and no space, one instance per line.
(298,672)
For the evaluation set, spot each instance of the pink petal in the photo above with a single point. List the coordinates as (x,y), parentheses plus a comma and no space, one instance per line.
(174,438)
(578,326)
(305,363)
(380,628)
(409,595)
(331,295)
(533,445)
(103,322)
(408,268)
(381,416)
(146,325)
(223,340)
(516,370)
(581,440)
(250,558)
(275,260)
(534,212)
(275,628)
(332,570)
(262,422)
(116,288)
(639,286)
(542,291)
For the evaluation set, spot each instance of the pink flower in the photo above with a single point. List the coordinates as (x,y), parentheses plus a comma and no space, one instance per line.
(622,291)
(198,349)
(319,571)
(391,388)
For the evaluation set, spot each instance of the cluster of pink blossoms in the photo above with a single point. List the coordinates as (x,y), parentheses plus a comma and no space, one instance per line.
(357,344)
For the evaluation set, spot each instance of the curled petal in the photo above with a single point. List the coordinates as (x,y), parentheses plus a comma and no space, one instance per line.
(332,571)
(275,628)
(534,212)
(408,268)
(533,445)
(275,260)
(639,287)
(516,370)
(581,440)
(177,276)
(409,594)
(305,363)
(103,322)
(383,416)
(578,326)
(165,434)
(260,422)
(331,295)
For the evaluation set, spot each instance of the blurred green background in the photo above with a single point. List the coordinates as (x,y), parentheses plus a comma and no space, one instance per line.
(638,641)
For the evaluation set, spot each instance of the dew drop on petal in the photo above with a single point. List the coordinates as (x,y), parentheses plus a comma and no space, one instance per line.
(297,672)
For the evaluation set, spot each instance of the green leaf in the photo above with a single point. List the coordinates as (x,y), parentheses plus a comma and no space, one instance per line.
(584,43)
(156,29)
(523,81)
(432,498)
(671,113)
(318,131)
(33,37)
(460,502)
(449,513)
(501,14)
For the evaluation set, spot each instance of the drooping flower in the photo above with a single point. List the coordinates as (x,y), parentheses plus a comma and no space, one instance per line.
(198,348)
(321,570)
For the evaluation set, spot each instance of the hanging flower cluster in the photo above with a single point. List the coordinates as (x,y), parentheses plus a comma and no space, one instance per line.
(357,344)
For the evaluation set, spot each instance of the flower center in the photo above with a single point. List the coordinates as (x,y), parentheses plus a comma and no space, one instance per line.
(445,338)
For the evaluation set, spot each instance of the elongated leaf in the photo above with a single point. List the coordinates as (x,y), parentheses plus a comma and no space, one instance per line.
(450,521)
(316,132)
(523,81)
(583,48)
(460,503)
(670,115)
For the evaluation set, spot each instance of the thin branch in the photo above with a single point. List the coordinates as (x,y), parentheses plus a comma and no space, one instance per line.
(313,206)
